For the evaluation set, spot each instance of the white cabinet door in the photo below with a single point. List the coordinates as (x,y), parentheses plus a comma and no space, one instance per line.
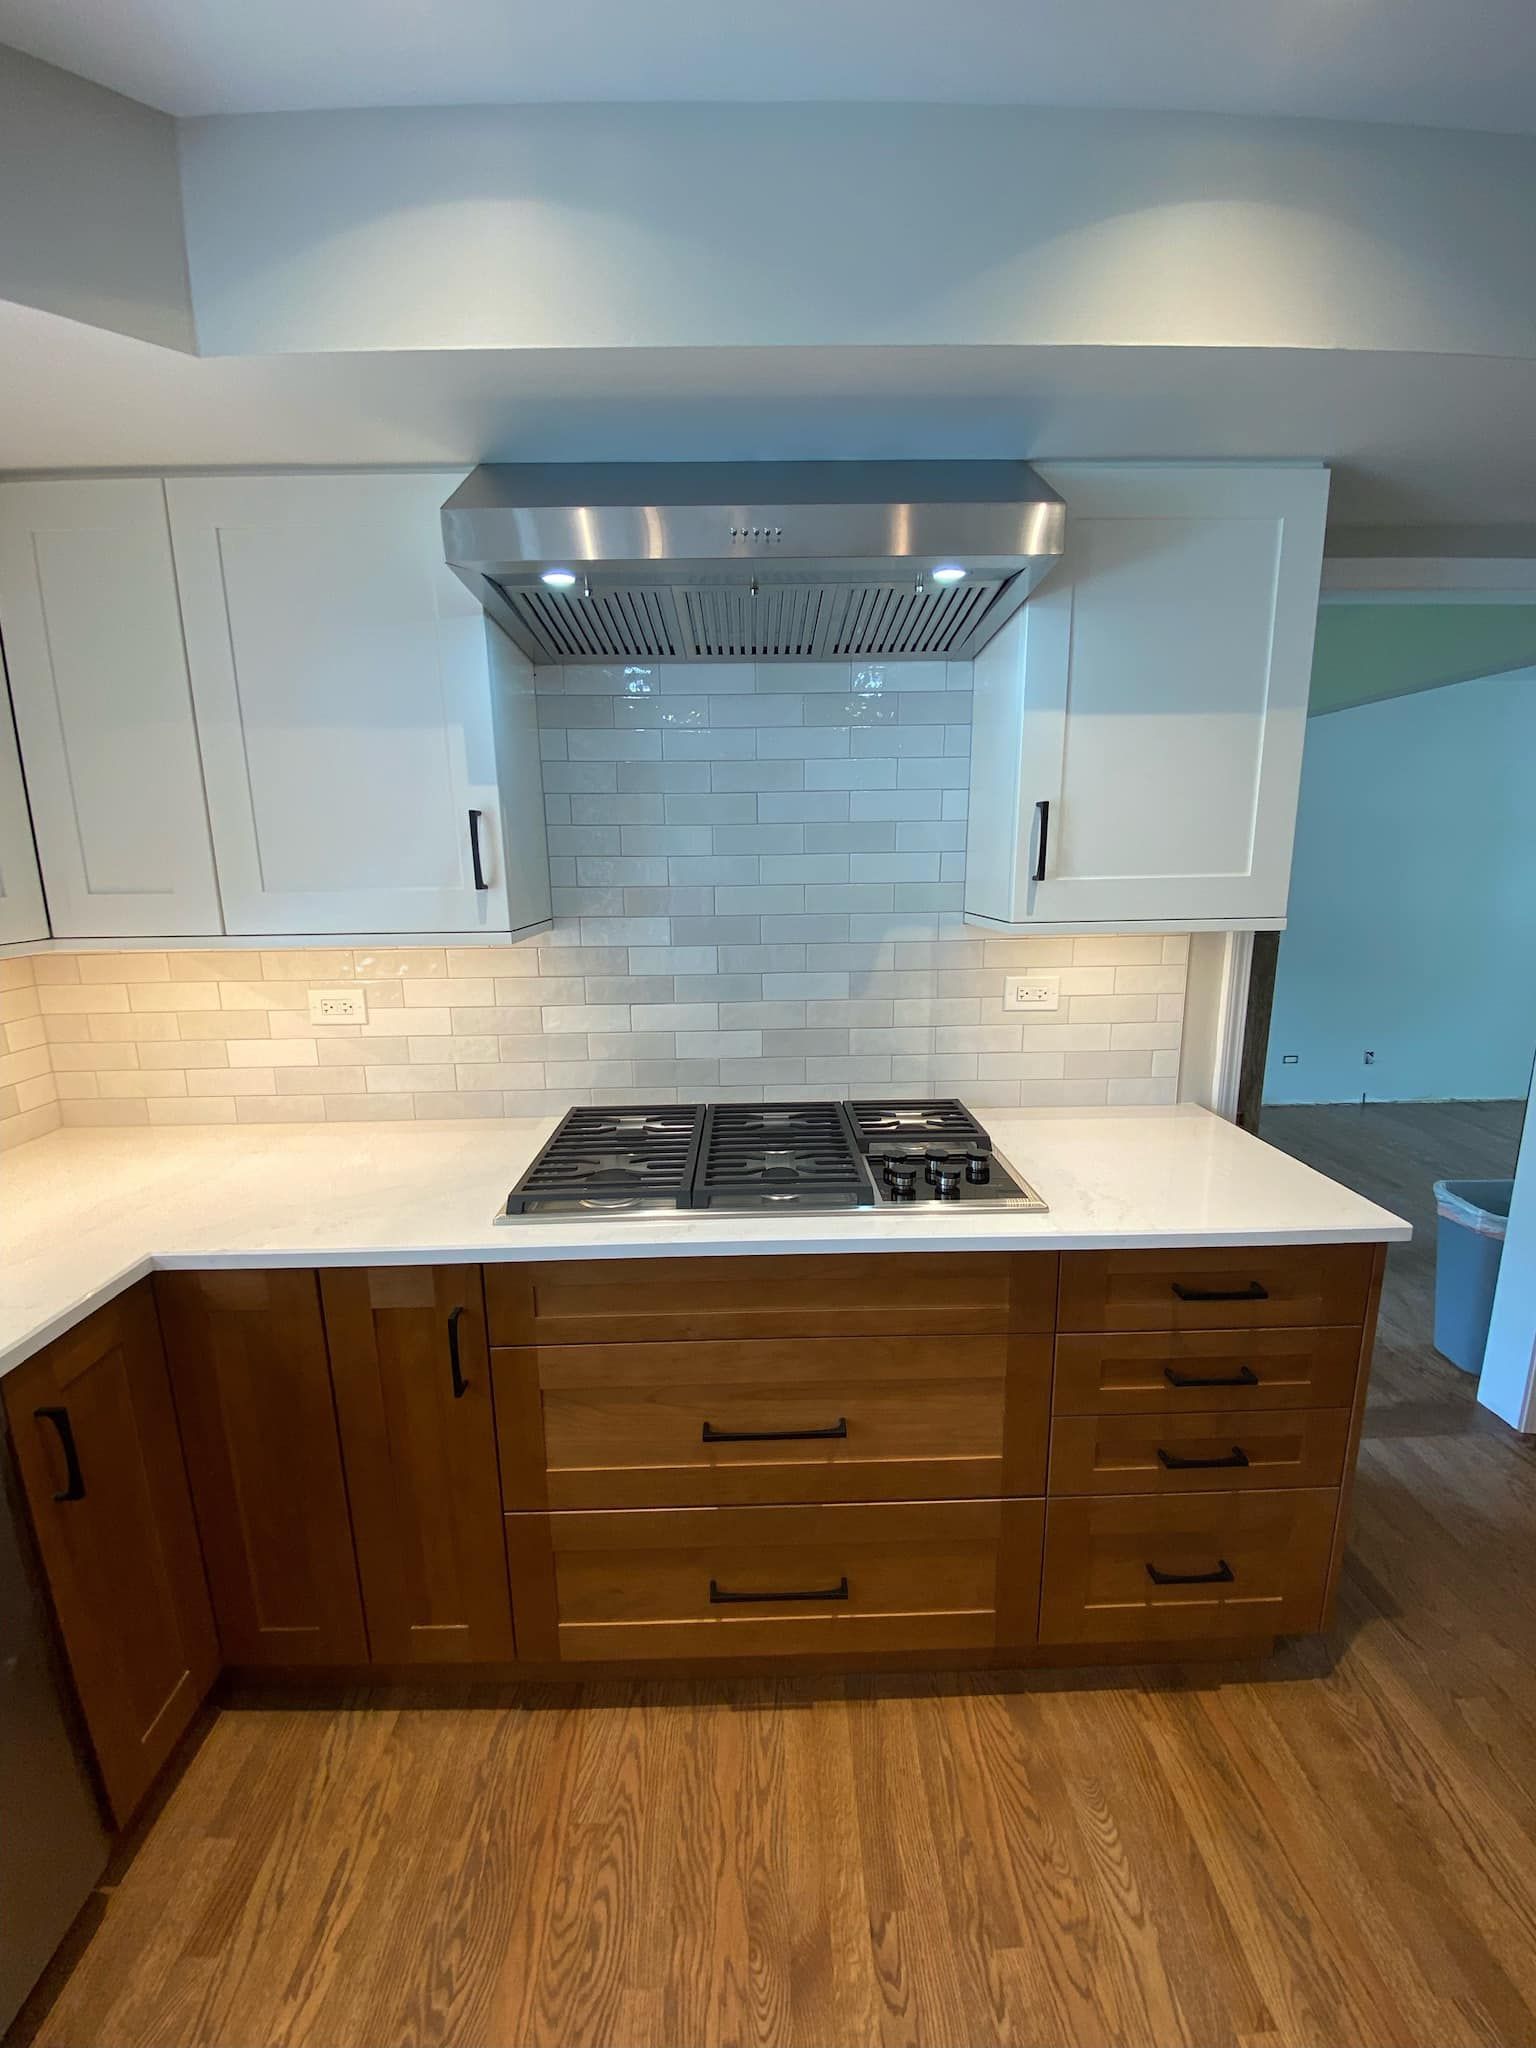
(99,680)
(341,680)
(23,914)
(1146,713)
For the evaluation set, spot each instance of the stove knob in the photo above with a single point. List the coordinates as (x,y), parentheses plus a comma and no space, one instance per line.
(901,1179)
(946,1180)
(978,1164)
(936,1157)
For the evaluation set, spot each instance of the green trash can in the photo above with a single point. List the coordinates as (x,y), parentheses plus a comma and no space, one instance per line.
(1473,1216)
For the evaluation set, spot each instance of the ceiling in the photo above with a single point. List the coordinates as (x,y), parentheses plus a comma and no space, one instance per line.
(1413,439)
(1449,63)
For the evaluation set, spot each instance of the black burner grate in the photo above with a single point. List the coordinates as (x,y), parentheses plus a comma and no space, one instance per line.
(738,1158)
(779,1153)
(917,1123)
(614,1154)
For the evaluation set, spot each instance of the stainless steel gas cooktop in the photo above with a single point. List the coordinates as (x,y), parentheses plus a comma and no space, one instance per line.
(740,1158)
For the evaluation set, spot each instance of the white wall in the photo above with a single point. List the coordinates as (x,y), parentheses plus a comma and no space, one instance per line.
(1413,902)
(90,205)
(634,226)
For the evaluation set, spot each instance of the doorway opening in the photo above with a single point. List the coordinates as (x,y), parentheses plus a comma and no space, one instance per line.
(1402,1023)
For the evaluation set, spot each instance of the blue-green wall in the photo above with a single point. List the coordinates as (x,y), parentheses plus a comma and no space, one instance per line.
(1413,901)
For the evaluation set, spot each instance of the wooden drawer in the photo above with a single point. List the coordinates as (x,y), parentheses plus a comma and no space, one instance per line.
(1232,1451)
(1271,1551)
(1219,1288)
(749,1582)
(1137,1373)
(772,1419)
(598,1301)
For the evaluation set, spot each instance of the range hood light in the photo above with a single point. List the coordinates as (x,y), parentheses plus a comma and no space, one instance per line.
(950,572)
(559,579)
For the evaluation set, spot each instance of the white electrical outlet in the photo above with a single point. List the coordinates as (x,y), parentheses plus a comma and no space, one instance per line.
(1032,992)
(338,1006)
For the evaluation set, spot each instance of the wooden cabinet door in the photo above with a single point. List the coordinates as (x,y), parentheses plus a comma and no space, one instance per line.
(23,914)
(253,1391)
(418,1432)
(1145,713)
(100,1460)
(99,678)
(341,676)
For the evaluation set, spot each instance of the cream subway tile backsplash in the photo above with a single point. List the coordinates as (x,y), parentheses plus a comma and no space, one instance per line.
(191,1111)
(758,881)
(29,1094)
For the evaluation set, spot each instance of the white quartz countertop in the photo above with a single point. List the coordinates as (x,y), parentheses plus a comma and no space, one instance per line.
(85,1213)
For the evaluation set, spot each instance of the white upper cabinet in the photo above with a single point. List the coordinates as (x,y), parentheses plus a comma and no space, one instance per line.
(1139,726)
(23,914)
(99,680)
(343,691)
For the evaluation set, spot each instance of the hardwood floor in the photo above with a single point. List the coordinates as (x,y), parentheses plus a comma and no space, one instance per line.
(1335,1847)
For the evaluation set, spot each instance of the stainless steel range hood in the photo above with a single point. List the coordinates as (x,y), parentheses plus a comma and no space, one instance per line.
(752,561)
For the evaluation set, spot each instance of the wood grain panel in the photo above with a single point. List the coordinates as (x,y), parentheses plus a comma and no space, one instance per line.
(1356,1430)
(253,1394)
(626,1425)
(1223,1287)
(419,1445)
(1138,1372)
(1100,1554)
(647,1583)
(596,1301)
(121,1560)
(1149,1453)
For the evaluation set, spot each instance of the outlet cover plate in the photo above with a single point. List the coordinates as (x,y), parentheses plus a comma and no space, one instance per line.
(338,1006)
(1032,992)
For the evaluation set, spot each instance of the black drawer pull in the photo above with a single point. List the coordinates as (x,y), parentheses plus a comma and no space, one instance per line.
(1236,1456)
(474,851)
(1222,1576)
(1254,1291)
(74,1487)
(460,1384)
(719,1597)
(1043,822)
(1245,1376)
(710,1435)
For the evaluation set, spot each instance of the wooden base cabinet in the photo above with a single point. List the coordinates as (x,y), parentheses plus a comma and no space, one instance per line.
(101,1465)
(997,1457)
(413,1396)
(253,1394)
(747,1582)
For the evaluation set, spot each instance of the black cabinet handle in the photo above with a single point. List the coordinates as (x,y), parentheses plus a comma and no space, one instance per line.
(1245,1376)
(710,1435)
(474,851)
(1043,833)
(1254,1291)
(74,1488)
(1235,1457)
(460,1384)
(1222,1576)
(719,1597)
